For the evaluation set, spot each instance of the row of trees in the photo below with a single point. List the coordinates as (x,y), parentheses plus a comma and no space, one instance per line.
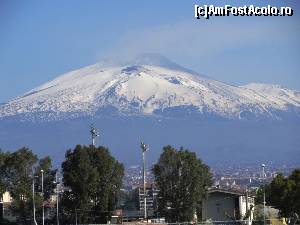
(92,179)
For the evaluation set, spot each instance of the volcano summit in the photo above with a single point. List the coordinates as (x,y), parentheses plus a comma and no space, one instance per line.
(153,98)
(149,85)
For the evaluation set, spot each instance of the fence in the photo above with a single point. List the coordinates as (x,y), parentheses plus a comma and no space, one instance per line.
(235,222)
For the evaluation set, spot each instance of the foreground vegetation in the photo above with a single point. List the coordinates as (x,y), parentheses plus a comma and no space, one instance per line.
(283,193)
(92,179)
(182,179)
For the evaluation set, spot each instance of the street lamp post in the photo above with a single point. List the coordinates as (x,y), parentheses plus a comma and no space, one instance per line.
(264,188)
(57,198)
(33,200)
(42,171)
(144,148)
(76,217)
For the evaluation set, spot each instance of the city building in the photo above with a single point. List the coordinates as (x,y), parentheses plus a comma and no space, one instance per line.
(151,197)
(227,205)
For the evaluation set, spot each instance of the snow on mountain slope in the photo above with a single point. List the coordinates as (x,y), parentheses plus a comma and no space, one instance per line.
(147,84)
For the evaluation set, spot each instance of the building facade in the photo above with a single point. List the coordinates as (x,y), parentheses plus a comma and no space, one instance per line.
(227,205)
(151,197)
(5,210)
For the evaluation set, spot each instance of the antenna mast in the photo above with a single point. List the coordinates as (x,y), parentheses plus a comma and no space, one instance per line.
(94,134)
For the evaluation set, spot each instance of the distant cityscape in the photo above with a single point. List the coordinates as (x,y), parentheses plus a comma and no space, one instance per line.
(235,176)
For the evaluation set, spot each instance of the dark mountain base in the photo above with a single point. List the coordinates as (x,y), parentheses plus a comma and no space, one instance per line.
(216,141)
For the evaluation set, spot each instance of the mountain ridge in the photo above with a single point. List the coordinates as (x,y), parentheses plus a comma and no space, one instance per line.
(148,84)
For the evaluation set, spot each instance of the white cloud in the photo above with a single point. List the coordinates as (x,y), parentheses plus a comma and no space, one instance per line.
(196,39)
(232,50)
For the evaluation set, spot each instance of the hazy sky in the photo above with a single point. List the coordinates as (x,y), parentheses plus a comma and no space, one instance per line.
(40,40)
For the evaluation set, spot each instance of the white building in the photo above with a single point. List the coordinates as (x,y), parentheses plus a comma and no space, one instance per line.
(227,205)
(5,203)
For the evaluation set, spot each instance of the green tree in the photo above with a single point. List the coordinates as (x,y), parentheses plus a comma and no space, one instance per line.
(182,179)
(93,177)
(17,171)
(259,198)
(3,158)
(284,193)
(294,186)
(45,164)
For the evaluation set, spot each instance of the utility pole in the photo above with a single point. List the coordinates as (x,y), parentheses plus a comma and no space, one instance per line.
(76,217)
(57,198)
(94,134)
(144,148)
(42,171)
(264,187)
(248,211)
(33,200)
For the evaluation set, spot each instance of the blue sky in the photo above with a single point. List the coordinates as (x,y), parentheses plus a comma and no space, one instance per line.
(40,40)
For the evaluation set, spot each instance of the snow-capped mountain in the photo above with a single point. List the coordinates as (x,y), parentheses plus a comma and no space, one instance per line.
(148,85)
(156,100)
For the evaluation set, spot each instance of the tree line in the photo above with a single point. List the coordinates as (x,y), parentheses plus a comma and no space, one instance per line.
(92,179)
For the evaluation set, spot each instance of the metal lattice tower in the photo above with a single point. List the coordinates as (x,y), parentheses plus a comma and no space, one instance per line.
(94,134)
